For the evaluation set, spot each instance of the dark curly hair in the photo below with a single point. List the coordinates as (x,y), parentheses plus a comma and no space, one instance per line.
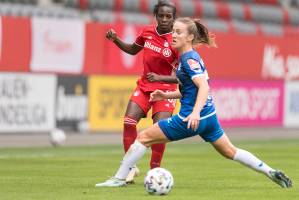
(162,3)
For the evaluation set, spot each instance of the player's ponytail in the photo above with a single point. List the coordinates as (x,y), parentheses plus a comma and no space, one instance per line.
(200,32)
(203,35)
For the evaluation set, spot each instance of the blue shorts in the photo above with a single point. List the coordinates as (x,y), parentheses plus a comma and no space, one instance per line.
(175,129)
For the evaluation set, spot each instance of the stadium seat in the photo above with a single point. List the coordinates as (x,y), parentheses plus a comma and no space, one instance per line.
(263,13)
(127,17)
(294,16)
(14,9)
(20,1)
(216,25)
(270,29)
(131,5)
(269,2)
(135,18)
(102,4)
(237,11)
(71,3)
(103,16)
(187,8)
(244,27)
(209,9)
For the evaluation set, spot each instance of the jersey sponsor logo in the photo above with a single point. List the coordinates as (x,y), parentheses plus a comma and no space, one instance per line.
(166,52)
(152,47)
(149,37)
(193,64)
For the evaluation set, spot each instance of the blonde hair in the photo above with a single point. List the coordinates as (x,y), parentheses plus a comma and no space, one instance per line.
(200,32)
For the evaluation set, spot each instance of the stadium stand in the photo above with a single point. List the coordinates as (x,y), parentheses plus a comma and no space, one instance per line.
(18,9)
(248,16)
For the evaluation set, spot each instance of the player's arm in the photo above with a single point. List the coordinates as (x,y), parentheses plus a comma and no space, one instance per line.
(202,94)
(153,77)
(158,95)
(132,49)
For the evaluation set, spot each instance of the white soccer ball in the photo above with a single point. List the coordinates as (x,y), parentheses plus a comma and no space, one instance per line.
(57,137)
(158,181)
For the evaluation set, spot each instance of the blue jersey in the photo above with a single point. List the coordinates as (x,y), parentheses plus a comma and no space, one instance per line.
(190,66)
(174,128)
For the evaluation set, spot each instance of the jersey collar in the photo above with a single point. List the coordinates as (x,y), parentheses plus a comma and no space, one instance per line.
(159,33)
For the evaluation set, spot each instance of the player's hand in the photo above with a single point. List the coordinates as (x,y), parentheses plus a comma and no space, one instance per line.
(111,35)
(152,77)
(157,95)
(193,121)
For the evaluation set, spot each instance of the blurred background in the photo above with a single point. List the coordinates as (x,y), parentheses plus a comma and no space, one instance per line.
(57,70)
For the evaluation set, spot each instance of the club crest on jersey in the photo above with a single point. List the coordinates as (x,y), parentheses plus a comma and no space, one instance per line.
(136,93)
(166,52)
(166,44)
(193,64)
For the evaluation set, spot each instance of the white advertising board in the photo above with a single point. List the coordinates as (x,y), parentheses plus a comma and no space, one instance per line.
(57,45)
(291,106)
(27,102)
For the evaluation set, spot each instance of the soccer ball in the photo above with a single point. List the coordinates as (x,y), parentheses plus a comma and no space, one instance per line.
(158,181)
(57,137)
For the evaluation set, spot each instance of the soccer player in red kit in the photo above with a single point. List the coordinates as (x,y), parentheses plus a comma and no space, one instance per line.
(158,61)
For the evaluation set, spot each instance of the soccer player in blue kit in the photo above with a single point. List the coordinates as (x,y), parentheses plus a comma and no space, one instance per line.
(197,115)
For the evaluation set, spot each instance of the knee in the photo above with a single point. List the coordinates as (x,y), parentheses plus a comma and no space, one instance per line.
(129,121)
(228,153)
(144,139)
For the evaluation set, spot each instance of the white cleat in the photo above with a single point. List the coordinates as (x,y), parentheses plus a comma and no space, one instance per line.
(112,182)
(134,172)
(281,179)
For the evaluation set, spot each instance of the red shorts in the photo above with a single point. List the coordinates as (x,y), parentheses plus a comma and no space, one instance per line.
(142,99)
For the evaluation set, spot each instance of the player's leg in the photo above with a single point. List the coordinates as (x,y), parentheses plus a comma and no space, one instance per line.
(228,150)
(160,110)
(145,139)
(158,149)
(132,116)
(214,134)
(224,146)
(137,108)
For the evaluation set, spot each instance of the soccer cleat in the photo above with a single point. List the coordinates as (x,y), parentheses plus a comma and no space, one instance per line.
(281,179)
(134,172)
(112,182)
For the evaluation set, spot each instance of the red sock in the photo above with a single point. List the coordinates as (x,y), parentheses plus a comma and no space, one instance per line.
(130,132)
(157,154)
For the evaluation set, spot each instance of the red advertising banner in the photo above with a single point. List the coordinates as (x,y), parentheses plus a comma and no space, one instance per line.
(254,57)
(94,48)
(238,56)
(15,44)
(118,62)
(249,103)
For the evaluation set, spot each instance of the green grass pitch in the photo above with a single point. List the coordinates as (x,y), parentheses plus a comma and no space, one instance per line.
(69,173)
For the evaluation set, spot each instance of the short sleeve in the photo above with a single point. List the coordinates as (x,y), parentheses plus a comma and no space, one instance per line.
(194,68)
(140,40)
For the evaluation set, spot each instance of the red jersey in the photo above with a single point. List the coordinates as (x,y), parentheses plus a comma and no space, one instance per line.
(158,57)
